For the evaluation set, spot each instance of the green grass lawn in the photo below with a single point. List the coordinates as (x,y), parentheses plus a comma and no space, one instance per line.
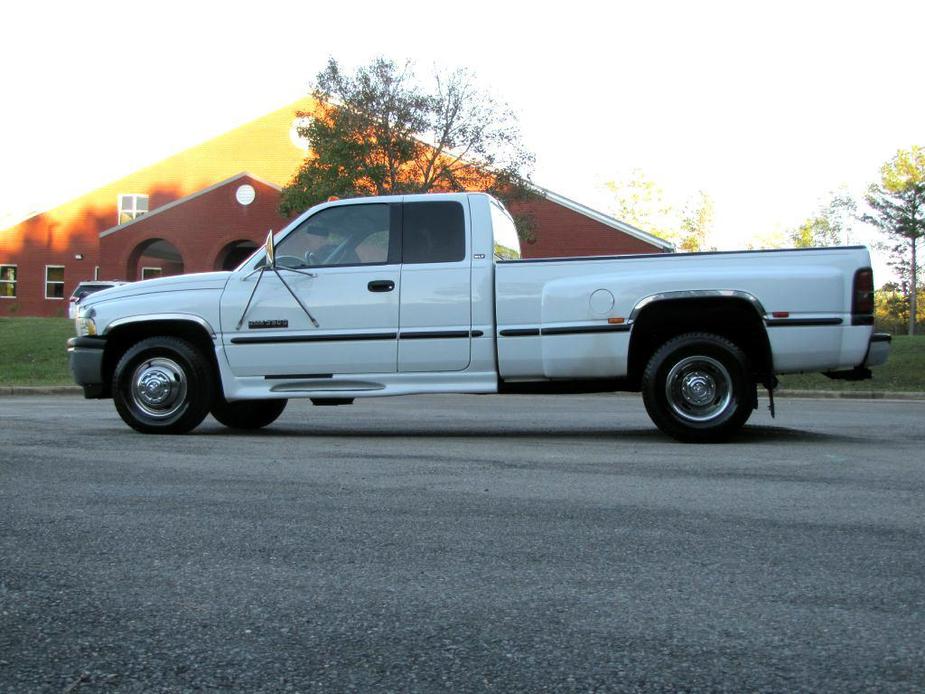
(904,370)
(32,353)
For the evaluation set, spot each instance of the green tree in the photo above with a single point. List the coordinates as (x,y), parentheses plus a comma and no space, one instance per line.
(379,131)
(830,226)
(891,308)
(640,201)
(696,223)
(765,240)
(897,205)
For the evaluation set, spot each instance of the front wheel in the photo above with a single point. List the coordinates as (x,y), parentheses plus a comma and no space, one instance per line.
(247,414)
(163,385)
(697,388)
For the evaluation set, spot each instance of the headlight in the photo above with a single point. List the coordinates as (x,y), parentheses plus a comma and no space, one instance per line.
(84,322)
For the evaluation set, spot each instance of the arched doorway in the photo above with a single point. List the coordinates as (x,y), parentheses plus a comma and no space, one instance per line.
(154,258)
(234,254)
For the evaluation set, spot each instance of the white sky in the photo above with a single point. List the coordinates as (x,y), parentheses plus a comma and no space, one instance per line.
(766,107)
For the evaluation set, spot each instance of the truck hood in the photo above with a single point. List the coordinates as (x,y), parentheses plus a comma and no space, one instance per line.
(199,280)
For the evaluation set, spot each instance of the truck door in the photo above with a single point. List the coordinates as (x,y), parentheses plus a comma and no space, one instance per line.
(347,258)
(436,279)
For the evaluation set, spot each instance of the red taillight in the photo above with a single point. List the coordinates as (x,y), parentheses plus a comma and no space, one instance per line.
(863,302)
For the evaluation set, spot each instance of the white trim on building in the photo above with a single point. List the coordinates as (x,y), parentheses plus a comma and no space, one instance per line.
(604,219)
(191,196)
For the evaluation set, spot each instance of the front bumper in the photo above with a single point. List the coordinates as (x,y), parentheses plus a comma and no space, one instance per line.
(85,358)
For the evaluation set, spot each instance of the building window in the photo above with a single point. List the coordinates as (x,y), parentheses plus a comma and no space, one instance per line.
(132,206)
(148,273)
(54,281)
(7,281)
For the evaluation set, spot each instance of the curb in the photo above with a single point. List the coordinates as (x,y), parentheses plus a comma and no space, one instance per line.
(850,394)
(41,390)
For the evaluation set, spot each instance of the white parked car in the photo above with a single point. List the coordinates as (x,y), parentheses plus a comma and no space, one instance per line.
(427,294)
(84,289)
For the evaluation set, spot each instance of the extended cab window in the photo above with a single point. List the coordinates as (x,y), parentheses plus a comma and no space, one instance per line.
(507,242)
(343,235)
(434,232)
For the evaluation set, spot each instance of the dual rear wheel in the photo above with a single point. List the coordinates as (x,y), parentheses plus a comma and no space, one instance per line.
(698,387)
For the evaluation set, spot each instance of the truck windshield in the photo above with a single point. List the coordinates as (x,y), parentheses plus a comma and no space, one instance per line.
(507,242)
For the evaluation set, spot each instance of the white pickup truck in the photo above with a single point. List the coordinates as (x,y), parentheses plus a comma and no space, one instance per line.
(428,294)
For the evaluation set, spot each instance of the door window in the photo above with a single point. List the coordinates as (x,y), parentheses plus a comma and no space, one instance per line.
(336,236)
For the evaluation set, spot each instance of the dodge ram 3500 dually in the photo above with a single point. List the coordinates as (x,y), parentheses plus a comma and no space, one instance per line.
(428,294)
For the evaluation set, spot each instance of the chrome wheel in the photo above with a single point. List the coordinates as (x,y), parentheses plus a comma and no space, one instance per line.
(158,387)
(698,388)
(163,385)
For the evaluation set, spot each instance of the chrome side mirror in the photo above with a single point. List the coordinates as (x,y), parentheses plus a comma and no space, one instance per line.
(270,249)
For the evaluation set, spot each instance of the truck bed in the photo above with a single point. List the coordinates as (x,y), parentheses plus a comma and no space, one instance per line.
(572,317)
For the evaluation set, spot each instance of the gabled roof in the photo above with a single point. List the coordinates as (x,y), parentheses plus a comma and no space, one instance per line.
(263,146)
(605,219)
(192,196)
(556,198)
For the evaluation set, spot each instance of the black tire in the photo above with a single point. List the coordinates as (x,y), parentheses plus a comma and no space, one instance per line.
(163,385)
(698,388)
(247,414)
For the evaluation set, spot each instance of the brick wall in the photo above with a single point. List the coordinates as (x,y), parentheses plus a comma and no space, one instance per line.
(42,241)
(562,232)
(200,229)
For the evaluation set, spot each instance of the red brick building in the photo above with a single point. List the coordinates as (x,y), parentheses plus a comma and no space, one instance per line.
(213,229)
(208,207)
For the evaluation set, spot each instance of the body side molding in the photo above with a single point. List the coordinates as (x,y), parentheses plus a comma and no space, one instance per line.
(801,322)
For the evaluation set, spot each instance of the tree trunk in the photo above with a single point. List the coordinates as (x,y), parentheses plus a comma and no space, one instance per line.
(915,289)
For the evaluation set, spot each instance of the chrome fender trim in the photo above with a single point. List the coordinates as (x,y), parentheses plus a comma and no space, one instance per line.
(698,294)
(148,317)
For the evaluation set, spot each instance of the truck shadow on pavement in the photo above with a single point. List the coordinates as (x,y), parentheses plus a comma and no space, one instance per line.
(775,434)
(770,435)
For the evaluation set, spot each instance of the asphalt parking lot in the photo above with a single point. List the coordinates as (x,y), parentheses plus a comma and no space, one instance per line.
(463,543)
